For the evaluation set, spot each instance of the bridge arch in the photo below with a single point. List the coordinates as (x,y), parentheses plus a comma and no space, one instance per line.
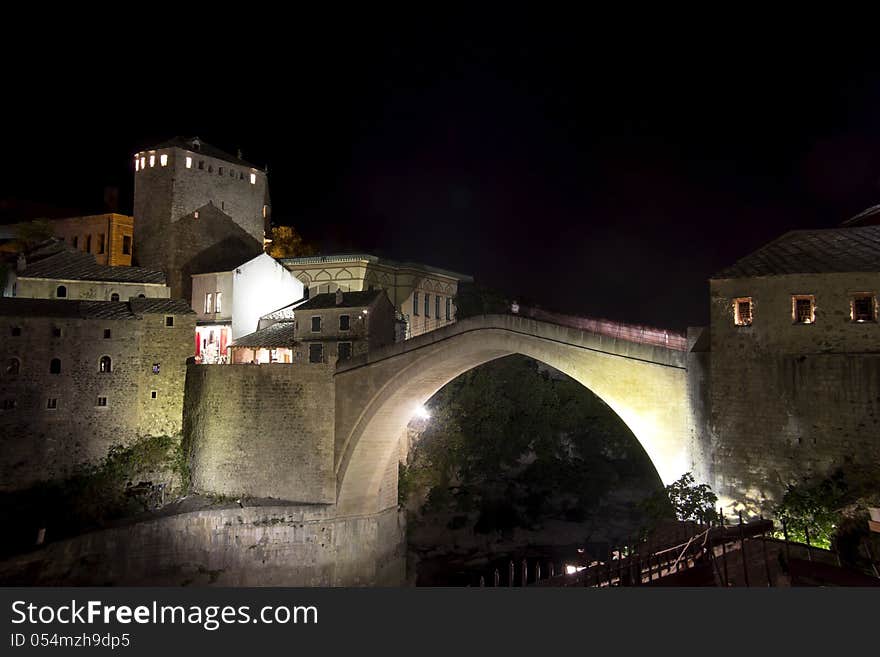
(377,395)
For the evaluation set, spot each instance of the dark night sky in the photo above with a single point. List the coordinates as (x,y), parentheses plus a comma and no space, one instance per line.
(609,179)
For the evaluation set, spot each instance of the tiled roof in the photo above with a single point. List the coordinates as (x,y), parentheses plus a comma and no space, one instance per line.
(272,337)
(812,252)
(284,313)
(69,264)
(349,300)
(74,309)
(196,145)
(354,257)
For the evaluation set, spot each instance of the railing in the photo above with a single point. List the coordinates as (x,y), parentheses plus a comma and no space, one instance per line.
(622,330)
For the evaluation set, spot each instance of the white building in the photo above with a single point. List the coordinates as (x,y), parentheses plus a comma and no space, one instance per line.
(229,304)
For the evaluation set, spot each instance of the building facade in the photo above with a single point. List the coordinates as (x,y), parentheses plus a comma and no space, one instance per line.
(230,304)
(795,361)
(197,209)
(58,271)
(108,237)
(325,329)
(81,376)
(423,295)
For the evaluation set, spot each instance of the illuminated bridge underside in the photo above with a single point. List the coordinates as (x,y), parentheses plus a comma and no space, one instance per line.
(375,396)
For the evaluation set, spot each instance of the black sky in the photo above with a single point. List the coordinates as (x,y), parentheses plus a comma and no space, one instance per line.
(606,177)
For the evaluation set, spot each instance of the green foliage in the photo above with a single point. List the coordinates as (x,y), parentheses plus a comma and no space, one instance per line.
(510,445)
(683,499)
(96,494)
(474,299)
(815,507)
(288,243)
(33,232)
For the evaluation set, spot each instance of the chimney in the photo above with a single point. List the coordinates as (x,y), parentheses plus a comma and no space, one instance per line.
(339,296)
(21,263)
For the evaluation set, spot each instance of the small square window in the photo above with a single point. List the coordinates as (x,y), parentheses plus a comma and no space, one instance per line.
(126,245)
(155,368)
(210,168)
(201,164)
(220,171)
(316,352)
(154,394)
(253,179)
(742,311)
(316,324)
(51,403)
(102,402)
(16,331)
(56,332)
(803,309)
(344,322)
(106,334)
(344,350)
(862,308)
(169,320)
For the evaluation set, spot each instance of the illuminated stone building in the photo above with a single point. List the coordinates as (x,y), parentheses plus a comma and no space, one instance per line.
(229,304)
(326,328)
(55,270)
(794,352)
(197,209)
(80,376)
(424,296)
(108,237)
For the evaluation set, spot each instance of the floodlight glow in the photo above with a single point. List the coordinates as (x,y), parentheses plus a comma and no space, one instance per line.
(422,413)
(571,570)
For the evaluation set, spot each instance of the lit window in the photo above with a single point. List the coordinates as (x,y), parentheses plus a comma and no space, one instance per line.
(105,365)
(862,308)
(189,162)
(253,179)
(102,401)
(316,324)
(126,245)
(209,302)
(265,211)
(61,292)
(316,352)
(742,311)
(803,309)
(163,159)
(152,160)
(52,403)
(143,160)
(415,303)
(196,214)
(218,306)
(344,322)
(137,165)
(55,366)
(344,350)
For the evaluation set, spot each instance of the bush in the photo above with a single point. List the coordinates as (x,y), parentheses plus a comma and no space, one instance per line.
(683,499)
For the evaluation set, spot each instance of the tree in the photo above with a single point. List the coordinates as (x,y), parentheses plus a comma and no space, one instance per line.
(684,500)
(288,243)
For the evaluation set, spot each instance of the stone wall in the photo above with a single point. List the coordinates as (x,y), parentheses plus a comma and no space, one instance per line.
(262,430)
(45,288)
(253,546)
(41,443)
(791,400)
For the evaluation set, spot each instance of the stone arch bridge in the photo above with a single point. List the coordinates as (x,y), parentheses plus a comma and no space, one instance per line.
(644,381)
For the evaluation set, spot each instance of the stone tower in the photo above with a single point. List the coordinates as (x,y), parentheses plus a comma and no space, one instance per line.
(197,209)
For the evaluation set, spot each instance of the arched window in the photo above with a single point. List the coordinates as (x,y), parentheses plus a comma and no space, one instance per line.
(105,365)
(142,296)
(13,366)
(55,366)
(114,296)
(61,292)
